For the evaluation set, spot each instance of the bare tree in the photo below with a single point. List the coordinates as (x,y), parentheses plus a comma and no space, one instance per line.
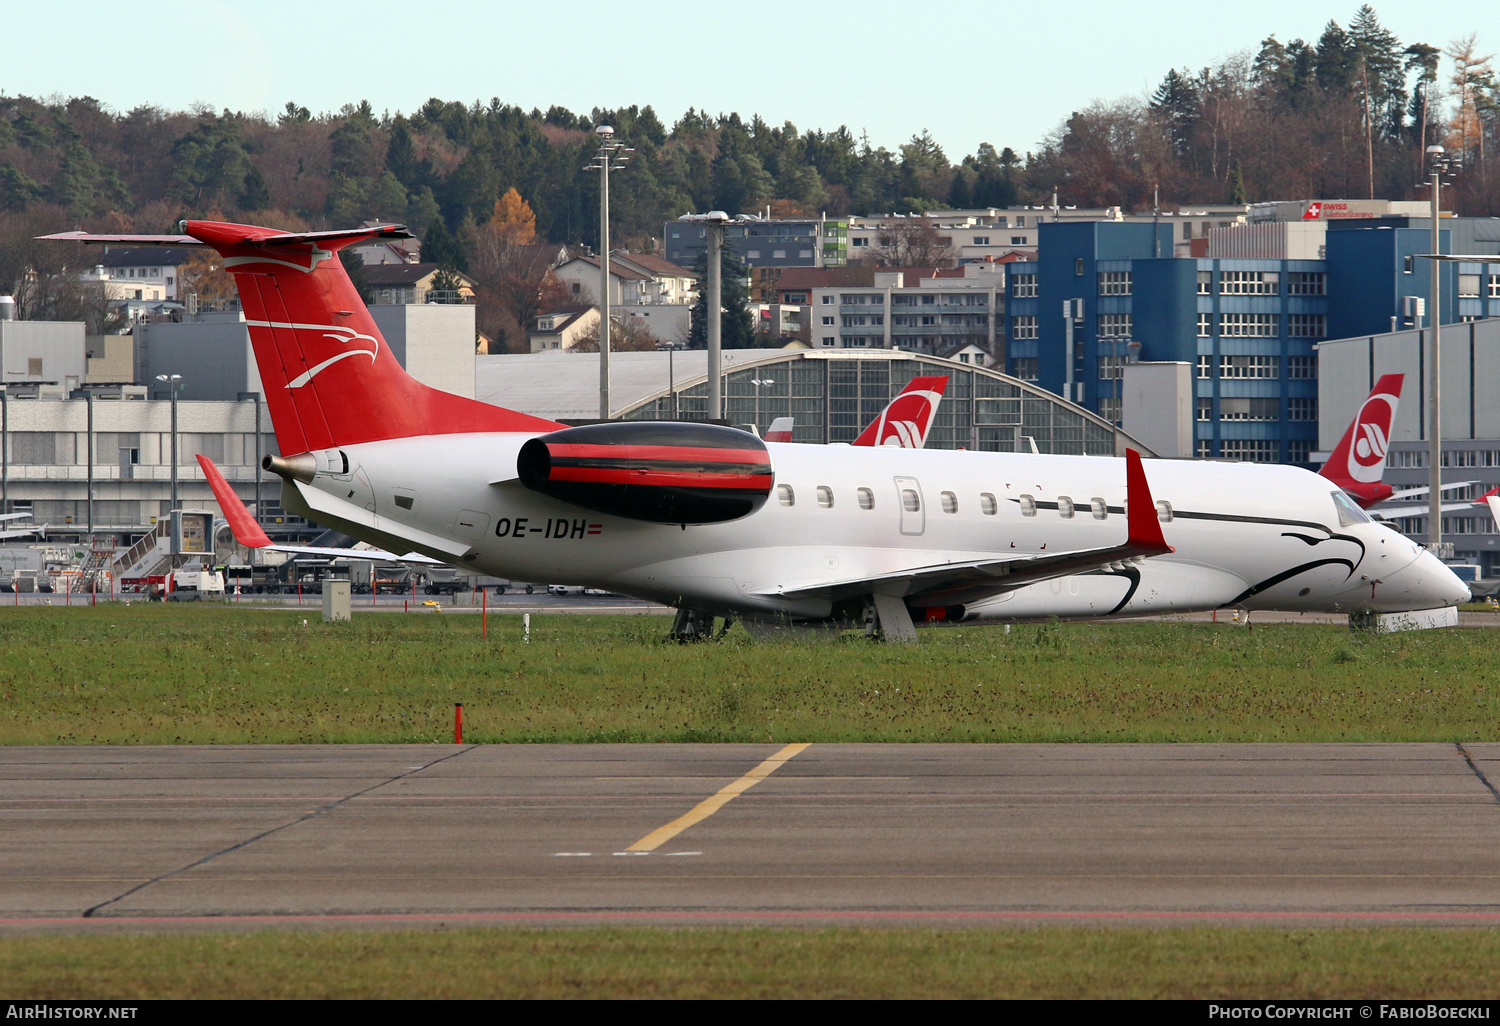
(915,242)
(629,335)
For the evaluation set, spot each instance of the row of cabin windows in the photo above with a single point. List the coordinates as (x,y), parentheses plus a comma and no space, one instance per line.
(911,502)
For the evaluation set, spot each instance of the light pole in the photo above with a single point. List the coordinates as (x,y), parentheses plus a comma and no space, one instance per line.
(671,347)
(174,382)
(757,382)
(1438,164)
(609,156)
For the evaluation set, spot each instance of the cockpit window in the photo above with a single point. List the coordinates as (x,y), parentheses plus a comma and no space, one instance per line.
(1349,513)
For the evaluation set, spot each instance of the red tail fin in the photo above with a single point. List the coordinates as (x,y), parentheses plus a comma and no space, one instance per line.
(906,421)
(1358,462)
(328,375)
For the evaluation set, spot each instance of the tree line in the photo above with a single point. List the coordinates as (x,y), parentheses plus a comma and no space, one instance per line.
(1346,116)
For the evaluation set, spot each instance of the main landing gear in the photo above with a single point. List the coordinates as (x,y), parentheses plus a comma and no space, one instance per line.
(697,625)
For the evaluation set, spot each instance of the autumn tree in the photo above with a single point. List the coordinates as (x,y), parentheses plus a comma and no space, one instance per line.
(512,273)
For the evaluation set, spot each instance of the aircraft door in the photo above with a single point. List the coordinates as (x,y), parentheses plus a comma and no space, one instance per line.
(909,499)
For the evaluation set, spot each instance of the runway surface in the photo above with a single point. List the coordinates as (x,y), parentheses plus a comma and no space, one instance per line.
(366,836)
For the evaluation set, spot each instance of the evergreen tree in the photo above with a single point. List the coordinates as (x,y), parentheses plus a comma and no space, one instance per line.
(736,324)
(442,247)
(355,265)
(255,195)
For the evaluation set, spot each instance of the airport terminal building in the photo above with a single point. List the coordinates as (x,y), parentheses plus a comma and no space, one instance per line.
(831,395)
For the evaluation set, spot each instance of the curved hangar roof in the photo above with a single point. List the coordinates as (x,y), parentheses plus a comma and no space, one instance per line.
(831,395)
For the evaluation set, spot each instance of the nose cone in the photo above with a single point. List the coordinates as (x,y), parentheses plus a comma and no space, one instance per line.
(1429,579)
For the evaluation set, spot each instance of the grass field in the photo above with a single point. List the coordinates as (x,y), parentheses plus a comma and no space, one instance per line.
(1055,962)
(184,674)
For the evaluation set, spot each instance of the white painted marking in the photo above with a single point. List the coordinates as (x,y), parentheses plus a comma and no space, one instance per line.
(572,854)
(632,853)
(670,854)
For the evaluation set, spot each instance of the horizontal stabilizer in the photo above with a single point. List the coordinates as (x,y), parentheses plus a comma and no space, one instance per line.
(249,533)
(241,234)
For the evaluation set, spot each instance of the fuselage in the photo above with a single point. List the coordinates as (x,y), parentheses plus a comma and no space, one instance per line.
(1247,535)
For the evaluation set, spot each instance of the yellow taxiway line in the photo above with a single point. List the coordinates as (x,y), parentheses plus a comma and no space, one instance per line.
(709,806)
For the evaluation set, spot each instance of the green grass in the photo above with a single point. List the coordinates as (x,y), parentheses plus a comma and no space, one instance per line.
(183,674)
(1057,962)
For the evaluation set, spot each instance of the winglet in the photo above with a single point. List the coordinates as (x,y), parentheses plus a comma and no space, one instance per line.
(1142,525)
(246,531)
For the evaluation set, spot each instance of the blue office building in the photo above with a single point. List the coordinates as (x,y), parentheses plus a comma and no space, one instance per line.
(1250,327)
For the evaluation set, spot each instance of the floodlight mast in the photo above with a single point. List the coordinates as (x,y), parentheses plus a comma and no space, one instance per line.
(1438,164)
(609,156)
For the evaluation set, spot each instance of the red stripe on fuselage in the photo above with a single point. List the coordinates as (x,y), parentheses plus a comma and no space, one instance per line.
(658,452)
(662,478)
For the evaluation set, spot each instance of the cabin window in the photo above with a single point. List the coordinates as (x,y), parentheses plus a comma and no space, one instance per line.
(784,495)
(1028,505)
(1101,511)
(987,504)
(825,496)
(950,502)
(866,499)
(909,501)
(1065,507)
(1164,511)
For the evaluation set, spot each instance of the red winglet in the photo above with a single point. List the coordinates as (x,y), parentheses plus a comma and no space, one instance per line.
(246,531)
(1142,525)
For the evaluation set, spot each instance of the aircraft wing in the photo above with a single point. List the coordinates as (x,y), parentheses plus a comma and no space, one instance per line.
(946,582)
(23,532)
(249,533)
(14,516)
(1407,493)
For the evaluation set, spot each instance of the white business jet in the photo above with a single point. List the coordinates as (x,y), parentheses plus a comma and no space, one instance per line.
(720,523)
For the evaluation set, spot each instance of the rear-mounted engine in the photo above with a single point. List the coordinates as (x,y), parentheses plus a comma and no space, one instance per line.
(667,473)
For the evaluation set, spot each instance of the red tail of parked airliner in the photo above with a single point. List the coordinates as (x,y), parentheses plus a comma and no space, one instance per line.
(906,421)
(1358,462)
(328,375)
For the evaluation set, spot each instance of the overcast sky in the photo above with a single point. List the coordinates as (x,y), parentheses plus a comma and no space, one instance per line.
(1003,72)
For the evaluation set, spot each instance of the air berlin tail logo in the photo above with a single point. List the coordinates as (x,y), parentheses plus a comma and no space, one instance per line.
(906,420)
(1372,437)
(363,345)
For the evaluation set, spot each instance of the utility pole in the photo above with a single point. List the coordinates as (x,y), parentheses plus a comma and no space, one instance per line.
(174,381)
(715,318)
(609,155)
(714,222)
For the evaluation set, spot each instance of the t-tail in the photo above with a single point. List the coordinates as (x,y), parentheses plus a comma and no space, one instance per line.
(908,418)
(329,377)
(780,430)
(1358,461)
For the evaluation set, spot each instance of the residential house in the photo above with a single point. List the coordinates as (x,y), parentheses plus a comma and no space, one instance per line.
(561,329)
(401,284)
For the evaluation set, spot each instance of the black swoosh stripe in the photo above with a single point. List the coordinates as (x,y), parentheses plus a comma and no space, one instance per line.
(1271,582)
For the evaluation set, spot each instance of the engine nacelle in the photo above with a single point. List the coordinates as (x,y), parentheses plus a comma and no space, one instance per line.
(663,472)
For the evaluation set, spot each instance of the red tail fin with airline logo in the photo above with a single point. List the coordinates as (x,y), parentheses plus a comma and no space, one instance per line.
(906,421)
(1358,462)
(328,375)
